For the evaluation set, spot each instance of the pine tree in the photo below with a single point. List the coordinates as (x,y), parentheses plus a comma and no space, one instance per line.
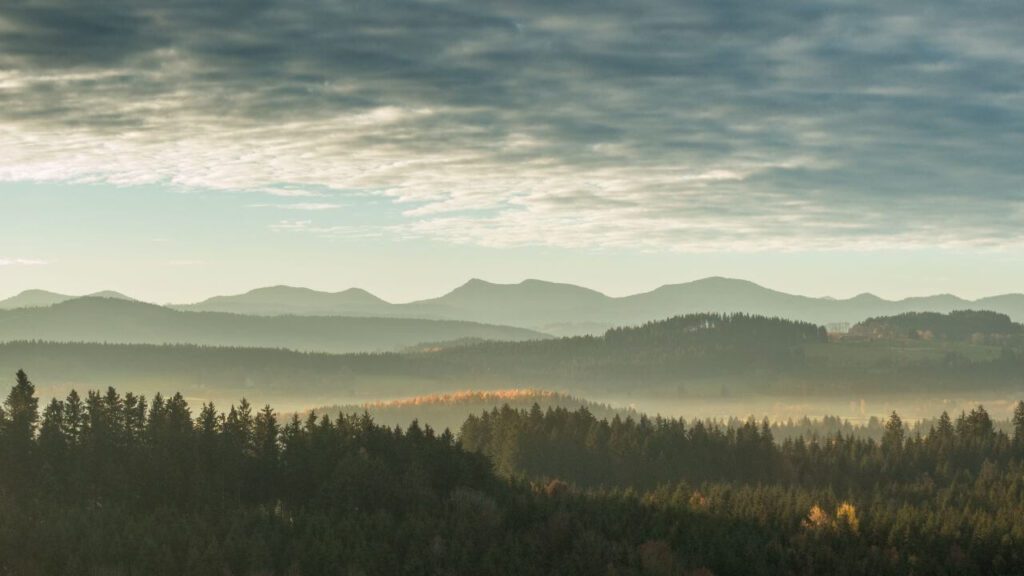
(22,409)
(19,427)
(53,441)
(893,436)
(74,417)
(1018,425)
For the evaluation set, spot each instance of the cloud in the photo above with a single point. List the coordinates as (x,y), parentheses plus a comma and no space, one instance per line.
(699,126)
(291,225)
(305,206)
(22,262)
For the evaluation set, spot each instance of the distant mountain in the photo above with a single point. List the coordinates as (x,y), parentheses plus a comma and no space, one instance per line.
(566,309)
(111,295)
(283,300)
(33,299)
(122,321)
(529,303)
(42,298)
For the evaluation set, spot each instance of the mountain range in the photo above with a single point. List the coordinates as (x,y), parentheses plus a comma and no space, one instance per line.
(567,309)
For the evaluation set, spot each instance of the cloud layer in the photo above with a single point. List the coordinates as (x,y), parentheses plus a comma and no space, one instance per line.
(699,125)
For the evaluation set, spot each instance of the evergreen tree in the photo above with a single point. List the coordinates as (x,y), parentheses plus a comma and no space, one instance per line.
(893,436)
(22,411)
(1018,424)
(19,426)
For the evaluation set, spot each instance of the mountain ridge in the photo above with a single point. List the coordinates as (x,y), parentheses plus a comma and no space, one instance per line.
(569,309)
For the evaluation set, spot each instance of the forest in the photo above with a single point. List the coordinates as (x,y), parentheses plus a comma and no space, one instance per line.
(111,483)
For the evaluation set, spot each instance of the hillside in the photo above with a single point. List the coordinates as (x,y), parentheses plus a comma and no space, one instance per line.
(120,321)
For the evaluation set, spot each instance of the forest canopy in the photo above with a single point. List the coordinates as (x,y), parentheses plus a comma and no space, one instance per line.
(120,484)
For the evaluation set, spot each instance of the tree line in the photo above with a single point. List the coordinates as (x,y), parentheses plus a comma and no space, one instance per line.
(111,483)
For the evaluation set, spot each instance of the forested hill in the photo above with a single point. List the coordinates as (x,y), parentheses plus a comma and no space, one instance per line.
(623,359)
(959,326)
(695,345)
(121,321)
(689,356)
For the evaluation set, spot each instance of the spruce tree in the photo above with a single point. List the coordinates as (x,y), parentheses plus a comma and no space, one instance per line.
(17,449)
(1018,424)
(22,408)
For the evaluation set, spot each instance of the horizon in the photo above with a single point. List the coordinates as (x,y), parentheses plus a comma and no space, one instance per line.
(116,292)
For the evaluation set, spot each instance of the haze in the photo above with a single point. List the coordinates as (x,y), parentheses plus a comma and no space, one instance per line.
(470,287)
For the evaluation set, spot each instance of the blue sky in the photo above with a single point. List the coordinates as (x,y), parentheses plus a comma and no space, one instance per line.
(179,149)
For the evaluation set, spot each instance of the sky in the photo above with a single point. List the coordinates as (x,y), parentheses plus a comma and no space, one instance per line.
(179,149)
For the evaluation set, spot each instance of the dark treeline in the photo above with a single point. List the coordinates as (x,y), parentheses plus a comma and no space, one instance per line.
(451,410)
(116,484)
(961,326)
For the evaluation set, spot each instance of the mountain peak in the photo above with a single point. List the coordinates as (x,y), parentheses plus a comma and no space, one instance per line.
(866,297)
(712,285)
(33,298)
(110,294)
(292,300)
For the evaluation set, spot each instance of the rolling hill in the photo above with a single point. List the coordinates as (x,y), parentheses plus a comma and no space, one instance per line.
(43,298)
(959,326)
(287,300)
(121,321)
(689,358)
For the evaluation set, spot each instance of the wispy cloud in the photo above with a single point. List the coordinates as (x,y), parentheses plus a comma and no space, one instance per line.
(305,206)
(710,125)
(22,262)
